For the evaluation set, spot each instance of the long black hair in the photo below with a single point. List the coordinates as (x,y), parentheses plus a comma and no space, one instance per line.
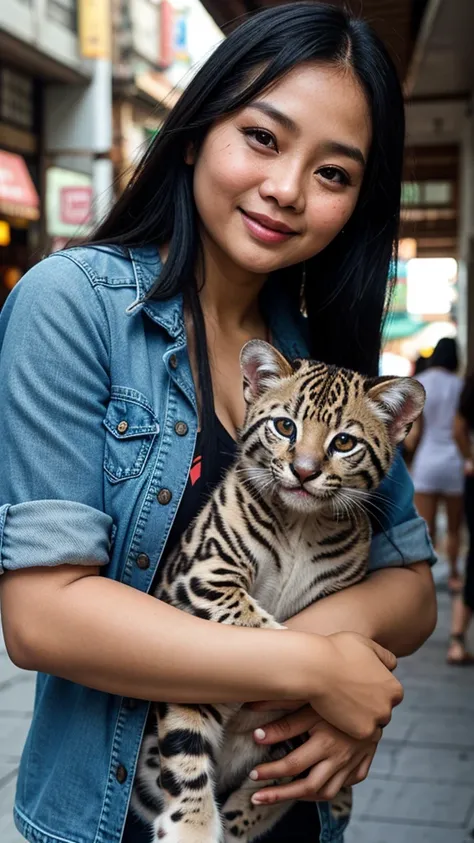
(347,283)
(445,354)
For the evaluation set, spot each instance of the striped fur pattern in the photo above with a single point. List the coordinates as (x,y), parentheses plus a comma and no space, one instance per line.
(288,525)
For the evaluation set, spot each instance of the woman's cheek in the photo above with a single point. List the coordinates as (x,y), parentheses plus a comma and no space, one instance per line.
(331,217)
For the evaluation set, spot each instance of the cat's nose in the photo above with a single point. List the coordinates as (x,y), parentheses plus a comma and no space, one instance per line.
(305,468)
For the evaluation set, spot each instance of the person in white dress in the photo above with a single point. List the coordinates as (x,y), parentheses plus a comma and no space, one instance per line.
(437,468)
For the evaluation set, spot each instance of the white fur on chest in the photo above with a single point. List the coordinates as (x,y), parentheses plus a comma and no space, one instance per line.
(285,591)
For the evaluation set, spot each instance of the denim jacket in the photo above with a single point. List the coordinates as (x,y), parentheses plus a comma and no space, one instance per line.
(98,430)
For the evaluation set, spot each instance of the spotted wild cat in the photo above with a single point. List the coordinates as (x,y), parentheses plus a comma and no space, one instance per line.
(287,525)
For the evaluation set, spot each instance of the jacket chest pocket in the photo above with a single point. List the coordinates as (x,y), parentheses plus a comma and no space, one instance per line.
(131,427)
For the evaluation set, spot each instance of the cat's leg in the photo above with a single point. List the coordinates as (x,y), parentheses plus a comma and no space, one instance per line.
(341,805)
(188,738)
(246,822)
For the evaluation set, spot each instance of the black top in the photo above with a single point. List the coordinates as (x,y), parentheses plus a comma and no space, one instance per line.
(197,492)
(302,822)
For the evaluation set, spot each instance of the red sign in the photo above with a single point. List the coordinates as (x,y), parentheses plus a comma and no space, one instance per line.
(75,205)
(18,196)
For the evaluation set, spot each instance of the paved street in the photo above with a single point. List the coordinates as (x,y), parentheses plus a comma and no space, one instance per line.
(421,787)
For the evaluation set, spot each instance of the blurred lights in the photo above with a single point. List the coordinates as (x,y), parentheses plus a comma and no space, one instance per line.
(11,277)
(430,285)
(5,233)
(407,247)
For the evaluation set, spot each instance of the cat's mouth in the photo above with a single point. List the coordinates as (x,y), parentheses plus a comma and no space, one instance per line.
(298,491)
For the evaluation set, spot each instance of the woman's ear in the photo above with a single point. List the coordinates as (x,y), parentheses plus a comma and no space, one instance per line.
(190,154)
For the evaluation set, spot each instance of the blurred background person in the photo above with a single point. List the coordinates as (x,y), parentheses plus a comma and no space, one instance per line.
(463,604)
(437,467)
(420,365)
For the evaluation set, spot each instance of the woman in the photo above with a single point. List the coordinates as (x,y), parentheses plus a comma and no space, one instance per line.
(463,604)
(437,466)
(266,183)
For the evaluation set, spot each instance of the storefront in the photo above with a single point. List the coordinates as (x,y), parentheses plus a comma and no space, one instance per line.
(19,207)
(68,207)
(20,99)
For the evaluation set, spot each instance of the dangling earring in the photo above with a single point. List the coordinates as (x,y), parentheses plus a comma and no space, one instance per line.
(303,308)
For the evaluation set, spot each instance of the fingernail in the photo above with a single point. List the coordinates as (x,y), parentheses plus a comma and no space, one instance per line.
(258,798)
(253,775)
(259,734)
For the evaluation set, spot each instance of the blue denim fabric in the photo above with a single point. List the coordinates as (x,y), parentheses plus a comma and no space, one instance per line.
(80,353)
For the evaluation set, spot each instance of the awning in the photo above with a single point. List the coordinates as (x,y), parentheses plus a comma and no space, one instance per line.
(401,325)
(156,86)
(18,196)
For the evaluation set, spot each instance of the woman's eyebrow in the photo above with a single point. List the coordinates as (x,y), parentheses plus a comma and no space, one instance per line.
(275,114)
(338,148)
(329,147)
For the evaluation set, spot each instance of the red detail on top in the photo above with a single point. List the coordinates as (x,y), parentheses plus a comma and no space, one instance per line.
(195,472)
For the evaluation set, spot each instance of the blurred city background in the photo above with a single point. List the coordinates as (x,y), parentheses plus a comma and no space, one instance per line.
(84,87)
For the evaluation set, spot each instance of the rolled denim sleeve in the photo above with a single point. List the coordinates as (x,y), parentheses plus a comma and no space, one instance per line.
(54,388)
(400,534)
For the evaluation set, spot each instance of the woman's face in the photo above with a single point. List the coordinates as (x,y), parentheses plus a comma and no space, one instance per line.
(277,181)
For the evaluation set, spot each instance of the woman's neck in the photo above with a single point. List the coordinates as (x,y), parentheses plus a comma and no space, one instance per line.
(229,295)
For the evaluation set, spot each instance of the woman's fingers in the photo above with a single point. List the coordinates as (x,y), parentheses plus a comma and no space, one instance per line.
(287,727)
(321,784)
(331,787)
(361,771)
(293,764)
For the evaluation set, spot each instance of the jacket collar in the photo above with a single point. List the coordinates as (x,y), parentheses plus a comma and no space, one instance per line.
(168,313)
(288,327)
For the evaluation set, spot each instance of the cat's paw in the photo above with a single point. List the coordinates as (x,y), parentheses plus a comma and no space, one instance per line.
(172,829)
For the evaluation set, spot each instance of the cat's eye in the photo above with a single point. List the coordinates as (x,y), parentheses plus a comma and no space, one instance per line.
(343,442)
(285,427)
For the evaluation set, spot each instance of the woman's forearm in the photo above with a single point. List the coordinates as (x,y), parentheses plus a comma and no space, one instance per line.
(105,635)
(394,606)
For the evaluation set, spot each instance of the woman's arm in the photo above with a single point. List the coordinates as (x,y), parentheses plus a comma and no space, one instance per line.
(394,606)
(462,437)
(70,622)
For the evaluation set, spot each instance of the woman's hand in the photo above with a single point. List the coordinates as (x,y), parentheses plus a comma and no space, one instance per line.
(357,689)
(332,758)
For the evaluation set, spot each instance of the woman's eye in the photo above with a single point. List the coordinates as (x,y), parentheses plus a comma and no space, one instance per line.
(343,442)
(334,175)
(262,137)
(285,427)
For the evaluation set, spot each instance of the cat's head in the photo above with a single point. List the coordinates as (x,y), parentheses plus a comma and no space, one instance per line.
(316,436)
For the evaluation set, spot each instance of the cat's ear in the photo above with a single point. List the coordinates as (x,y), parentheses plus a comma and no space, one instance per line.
(262,368)
(399,400)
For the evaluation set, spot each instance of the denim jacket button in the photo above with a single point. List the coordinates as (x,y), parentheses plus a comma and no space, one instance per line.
(122,427)
(121,774)
(164,496)
(174,361)
(143,561)
(181,428)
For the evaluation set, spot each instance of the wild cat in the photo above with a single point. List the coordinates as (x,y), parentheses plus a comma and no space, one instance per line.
(287,526)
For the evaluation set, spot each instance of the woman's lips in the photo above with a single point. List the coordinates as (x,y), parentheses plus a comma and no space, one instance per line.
(262,232)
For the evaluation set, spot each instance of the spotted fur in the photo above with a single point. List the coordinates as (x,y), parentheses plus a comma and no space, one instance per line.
(288,525)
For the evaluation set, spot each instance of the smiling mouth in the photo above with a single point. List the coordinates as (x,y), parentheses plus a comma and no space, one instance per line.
(265,229)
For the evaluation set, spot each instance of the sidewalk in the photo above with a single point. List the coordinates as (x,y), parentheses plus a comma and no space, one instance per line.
(421,786)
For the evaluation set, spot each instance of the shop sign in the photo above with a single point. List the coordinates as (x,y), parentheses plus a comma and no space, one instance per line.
(68,203)
(95,29)
(145,19)
(18,196)
(181,49)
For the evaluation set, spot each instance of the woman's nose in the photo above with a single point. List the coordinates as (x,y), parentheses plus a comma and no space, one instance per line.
(284,185)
